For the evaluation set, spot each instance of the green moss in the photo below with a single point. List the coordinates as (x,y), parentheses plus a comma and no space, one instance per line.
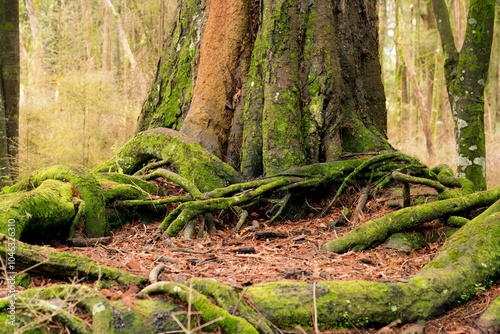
(229,299)
(147,316)
(359,138)
(88,188)
(406,241)
(465,84)
(186,158)
(23,280)
(209,312)
(54,262)
(170,96)
(42,214)
(117,178)
(377,230)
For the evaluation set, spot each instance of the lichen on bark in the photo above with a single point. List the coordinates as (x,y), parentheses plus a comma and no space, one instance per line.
(466,73)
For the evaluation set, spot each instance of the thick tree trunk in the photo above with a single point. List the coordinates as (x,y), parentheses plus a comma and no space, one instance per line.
(314,88)
(289,84)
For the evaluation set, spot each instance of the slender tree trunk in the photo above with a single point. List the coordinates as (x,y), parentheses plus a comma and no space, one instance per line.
(86,17)
(36,36)
(106,39)
(466,74)
(423,106)
(9,95)
(124,42)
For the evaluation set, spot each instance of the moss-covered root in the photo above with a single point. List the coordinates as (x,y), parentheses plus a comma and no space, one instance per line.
(43,214)
(466,265)
(446,176)
(86,185)
(385,161)
(125,187)
(184,157)
(35,302)
(229,299)
(208,311)
(187,185)
(186,212)
(489,321)
(377,230)
(64,265)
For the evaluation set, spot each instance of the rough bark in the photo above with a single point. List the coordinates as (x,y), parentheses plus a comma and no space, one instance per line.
(300,105)
(172,90)
(282,92)
(217,88)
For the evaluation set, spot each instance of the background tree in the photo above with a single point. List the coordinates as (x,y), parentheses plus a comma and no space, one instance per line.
(77,61)
(409,25)
(9,90)
(466,72)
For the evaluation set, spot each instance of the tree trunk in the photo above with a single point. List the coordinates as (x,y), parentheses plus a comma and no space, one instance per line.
(466,73)
(36,37)
(9,94)
(293,83)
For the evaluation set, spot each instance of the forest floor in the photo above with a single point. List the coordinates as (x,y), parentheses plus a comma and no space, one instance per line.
(240,258)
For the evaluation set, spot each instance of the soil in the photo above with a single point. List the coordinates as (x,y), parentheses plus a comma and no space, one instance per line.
(243,258)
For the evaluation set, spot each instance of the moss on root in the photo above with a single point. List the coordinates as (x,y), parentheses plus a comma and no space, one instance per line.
(65,265)
(209,312)
(184,157)
(377,230)
(42,214)
(465,266)
(87,188)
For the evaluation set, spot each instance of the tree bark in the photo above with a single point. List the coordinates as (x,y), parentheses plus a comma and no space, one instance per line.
(9,97)
(466,74)
(172,90)
(217,88)
(282,92)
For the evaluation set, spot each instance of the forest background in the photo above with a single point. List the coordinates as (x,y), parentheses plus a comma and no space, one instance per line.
(87,65)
